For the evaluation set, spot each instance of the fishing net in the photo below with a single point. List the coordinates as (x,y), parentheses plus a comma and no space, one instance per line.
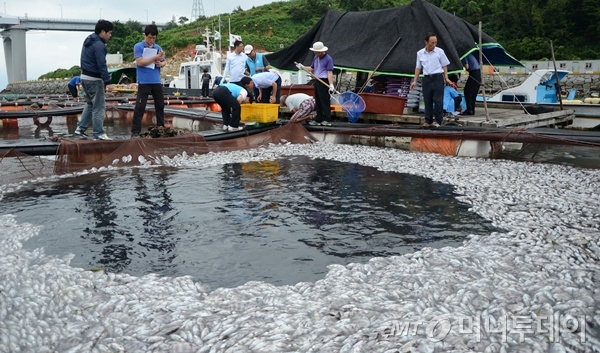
(78,155)
(16,166)
(353,105)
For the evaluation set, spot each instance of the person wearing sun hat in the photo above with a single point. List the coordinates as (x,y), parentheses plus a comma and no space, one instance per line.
(321,67)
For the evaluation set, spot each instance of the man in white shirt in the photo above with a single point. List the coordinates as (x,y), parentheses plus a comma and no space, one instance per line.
(434,64)
(236,63)
(269,86)
(302,105)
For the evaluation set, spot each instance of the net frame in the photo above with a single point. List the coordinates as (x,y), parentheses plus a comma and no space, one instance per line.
(353,105)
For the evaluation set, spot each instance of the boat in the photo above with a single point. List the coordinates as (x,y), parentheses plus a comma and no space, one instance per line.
(189,79)
(539,93)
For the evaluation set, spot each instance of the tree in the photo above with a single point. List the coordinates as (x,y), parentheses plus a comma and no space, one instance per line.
(183,20)
(170,25)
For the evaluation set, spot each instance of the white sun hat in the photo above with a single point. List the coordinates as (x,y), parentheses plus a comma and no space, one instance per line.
(248,49)
(318,47)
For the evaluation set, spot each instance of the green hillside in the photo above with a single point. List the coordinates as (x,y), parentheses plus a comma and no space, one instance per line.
(524,28)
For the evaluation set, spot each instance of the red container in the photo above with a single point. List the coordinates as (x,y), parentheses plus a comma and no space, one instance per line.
(383,104)
(306,89)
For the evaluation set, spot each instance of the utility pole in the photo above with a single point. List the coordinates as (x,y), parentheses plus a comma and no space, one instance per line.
(197,10)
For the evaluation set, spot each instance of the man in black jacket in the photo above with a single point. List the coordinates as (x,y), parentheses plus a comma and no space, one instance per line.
(95,80)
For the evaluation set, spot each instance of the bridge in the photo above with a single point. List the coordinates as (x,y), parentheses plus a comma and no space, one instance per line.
(13,35)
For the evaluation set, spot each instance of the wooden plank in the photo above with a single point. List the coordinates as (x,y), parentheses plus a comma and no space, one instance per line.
(498,117)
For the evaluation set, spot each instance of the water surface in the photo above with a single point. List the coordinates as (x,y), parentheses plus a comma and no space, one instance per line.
(279,221)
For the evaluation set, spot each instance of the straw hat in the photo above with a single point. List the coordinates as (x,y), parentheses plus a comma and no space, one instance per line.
(248,49)
(318,47)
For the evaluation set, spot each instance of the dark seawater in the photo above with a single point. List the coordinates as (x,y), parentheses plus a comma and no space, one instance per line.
(574,156)
(279,221)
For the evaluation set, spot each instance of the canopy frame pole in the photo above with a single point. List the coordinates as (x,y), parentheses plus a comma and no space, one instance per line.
(557,80)
(482,83)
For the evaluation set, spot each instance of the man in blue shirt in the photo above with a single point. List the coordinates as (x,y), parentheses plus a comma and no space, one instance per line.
(74,87)
(452,99)
(149,58)
(229,96)
(473,82)
(256,62)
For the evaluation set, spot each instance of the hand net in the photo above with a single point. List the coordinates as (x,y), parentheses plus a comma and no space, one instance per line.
(353,104)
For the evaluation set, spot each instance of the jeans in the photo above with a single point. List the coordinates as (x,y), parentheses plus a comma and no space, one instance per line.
(94,109)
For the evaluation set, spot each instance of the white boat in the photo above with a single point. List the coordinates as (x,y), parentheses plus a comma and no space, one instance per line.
(190,72)
(540,89)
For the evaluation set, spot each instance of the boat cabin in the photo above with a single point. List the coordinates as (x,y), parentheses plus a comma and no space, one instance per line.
(190,72)
(539,87)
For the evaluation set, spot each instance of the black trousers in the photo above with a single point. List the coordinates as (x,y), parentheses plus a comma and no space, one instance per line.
(471,89)
(433,97)
(266,93)
(156,90)
(204,91)
(230,108)
(73,91)
(322,102)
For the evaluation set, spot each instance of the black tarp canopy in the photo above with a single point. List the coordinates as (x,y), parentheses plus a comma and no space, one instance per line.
(360,40)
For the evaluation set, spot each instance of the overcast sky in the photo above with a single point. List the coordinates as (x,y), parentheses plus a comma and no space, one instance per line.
(48,51)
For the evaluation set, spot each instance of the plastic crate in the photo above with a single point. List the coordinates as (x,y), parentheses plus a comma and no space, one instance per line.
(260,112)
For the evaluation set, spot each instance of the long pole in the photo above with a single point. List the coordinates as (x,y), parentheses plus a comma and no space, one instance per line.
(378,65)
(557,81)
(315,77)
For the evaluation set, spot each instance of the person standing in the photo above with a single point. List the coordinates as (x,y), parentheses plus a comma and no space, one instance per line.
(205,83)
(236,63)
(322,67)
(230,96)
(256,62)
(433,62)
(95,80)
(268,85)
(473,82)
(301,104)
(149,58)
(75,87)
